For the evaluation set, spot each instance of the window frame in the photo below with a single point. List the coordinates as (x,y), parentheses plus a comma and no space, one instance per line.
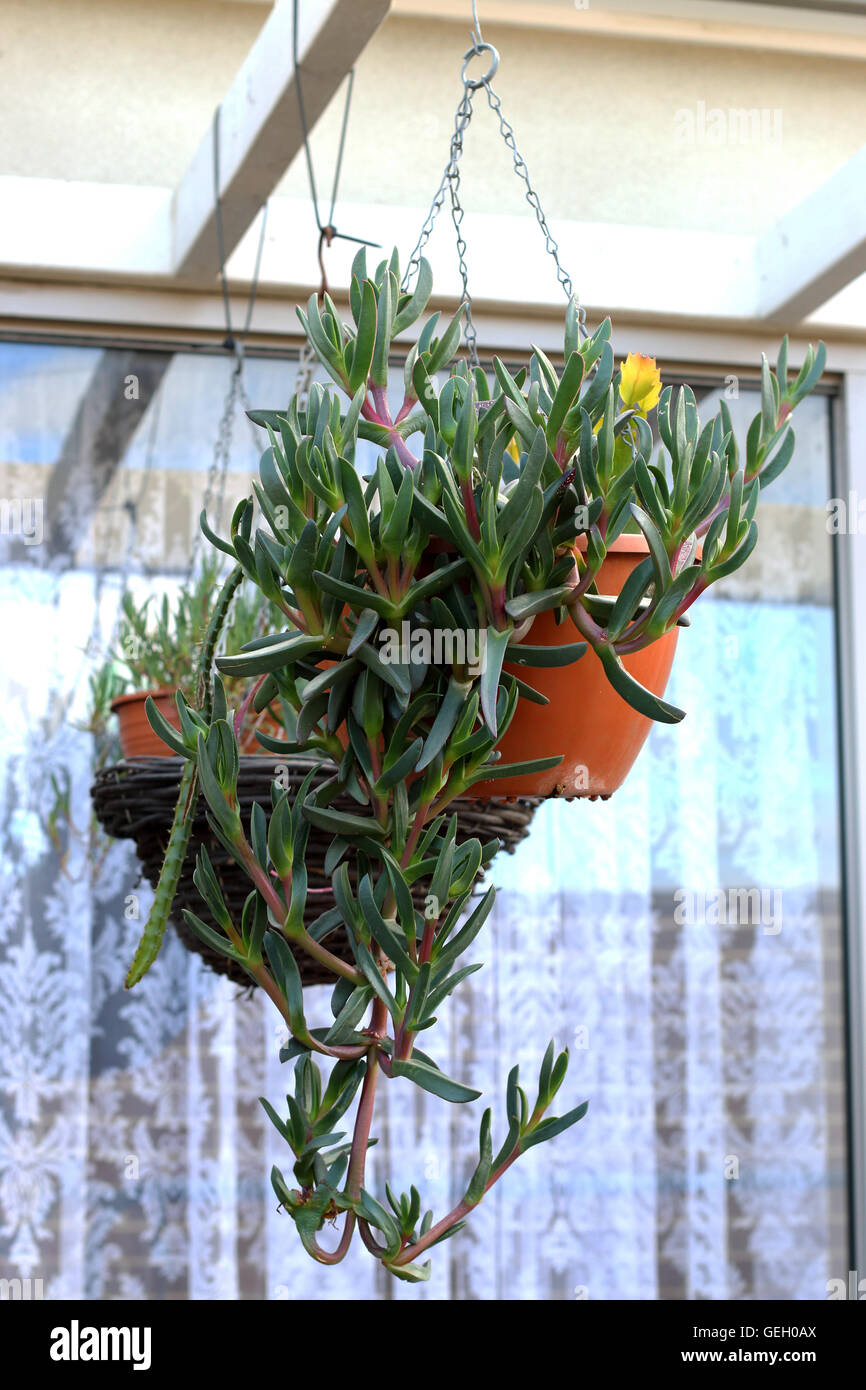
(705,353)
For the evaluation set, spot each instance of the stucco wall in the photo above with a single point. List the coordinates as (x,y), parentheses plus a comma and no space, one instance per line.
(115,91)
(122,92)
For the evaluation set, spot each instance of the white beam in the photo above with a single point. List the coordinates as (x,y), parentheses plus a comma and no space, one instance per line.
(609,262)
(260,126)
(62,227)
(66,235)
(817,249)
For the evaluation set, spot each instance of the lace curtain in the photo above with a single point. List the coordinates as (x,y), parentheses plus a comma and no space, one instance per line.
(134,1156)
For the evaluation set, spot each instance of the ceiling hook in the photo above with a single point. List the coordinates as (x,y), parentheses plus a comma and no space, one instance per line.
(476,25)
(326,236)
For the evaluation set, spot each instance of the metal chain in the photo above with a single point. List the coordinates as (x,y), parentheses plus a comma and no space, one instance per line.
(506,130)
(451,182)
(470,336)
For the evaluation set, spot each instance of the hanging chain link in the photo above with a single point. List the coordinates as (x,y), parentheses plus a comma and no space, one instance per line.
(450,184)
(470,336)
(507,132)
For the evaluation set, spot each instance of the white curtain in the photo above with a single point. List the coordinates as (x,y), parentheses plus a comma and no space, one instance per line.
(134,1157)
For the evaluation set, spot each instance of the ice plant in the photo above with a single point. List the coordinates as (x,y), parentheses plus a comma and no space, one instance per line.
(493,498)
(640,383)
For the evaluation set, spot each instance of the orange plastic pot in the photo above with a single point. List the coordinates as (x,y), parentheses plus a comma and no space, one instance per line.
(598,735)
(138,740)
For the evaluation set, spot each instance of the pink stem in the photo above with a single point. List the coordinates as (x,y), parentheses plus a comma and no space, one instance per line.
(363,1121)
(470,509)
(382,416)
(278,908)
(333,1257)
(241,712)
(462,1209)
(587,626)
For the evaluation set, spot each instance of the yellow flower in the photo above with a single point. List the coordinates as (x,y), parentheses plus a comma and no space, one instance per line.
(641,383)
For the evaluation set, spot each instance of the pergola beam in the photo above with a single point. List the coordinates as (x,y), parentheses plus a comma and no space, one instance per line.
(817,249)
(98,253)
(260,125)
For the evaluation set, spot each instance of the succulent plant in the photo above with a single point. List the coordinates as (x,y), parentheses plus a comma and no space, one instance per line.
(493,499)
(157,645)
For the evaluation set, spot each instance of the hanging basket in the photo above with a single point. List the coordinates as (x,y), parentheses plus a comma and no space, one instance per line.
(135,800)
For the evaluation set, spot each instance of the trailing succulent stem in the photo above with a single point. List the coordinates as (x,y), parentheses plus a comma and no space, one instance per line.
(184,811)
(492,500)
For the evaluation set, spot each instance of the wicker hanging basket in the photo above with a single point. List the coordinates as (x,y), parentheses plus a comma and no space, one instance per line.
(135,800)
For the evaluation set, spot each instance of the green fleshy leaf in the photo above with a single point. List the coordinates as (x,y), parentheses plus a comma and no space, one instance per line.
(343,823)
(287,976)
(436,1082)
(496,644)
(523,654)
(634,693)
(548,1129)
(214,939)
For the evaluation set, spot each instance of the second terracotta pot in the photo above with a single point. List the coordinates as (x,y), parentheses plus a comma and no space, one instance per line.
(597,733)
(138,740)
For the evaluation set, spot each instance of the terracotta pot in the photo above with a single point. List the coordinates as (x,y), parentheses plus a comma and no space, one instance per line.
(138,740)
(598,734)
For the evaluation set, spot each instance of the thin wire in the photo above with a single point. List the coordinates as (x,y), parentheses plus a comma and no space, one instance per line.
(476,24)
(342,146)
(303,115)
(327,227)
(231,341)
(216,475)
(251,303)
(218,211)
